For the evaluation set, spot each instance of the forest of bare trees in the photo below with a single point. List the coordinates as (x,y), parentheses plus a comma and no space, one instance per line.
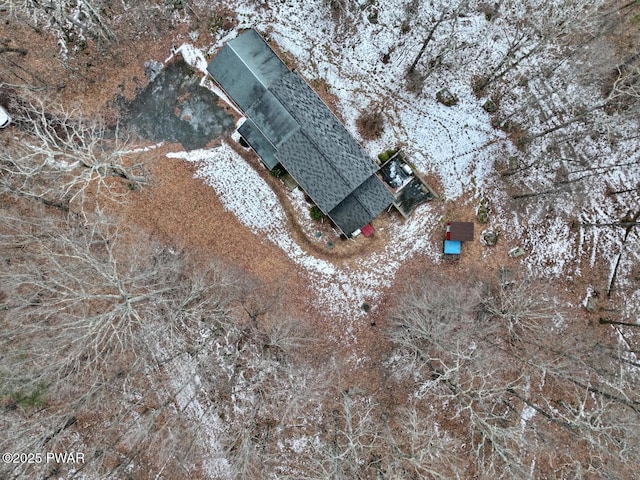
(95,317)
(71,18)
(61,157)
(534,393)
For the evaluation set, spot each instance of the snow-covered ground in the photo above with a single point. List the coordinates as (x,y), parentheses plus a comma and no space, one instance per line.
(456,144)
(434,137)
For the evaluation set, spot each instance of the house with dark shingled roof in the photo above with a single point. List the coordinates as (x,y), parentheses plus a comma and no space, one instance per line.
(288,124)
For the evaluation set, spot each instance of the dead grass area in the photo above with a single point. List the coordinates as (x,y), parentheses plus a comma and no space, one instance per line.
(185,212)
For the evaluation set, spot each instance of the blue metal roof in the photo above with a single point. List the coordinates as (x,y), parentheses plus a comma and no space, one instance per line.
(452,247)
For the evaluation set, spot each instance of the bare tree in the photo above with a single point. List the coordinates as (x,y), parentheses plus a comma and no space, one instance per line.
(421,448)
(514,373)
(523,308)
(438,50)
(82,16)
(436,325)
(61,156)
(78,280)
(350,445)
(88,323)
(270,393)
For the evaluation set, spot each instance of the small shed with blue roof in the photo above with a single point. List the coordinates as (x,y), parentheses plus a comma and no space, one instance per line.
(456,233)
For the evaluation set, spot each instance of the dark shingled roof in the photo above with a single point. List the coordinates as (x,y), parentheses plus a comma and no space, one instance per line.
(288,123)
(324,130)
(311,170)
(367,201)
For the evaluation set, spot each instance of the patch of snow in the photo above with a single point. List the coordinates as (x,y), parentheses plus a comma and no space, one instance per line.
(527,414)
(143,149)
(551,246)
(62,164)
(299,445)
(186,386)
(240,188)
(191,55)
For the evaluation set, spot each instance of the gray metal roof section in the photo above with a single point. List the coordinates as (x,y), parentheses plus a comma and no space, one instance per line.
(246,67)
(362,206)
(322,127)
(259,143)
(272,119)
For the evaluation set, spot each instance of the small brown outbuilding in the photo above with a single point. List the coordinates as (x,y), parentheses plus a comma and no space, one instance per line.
(461,231)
